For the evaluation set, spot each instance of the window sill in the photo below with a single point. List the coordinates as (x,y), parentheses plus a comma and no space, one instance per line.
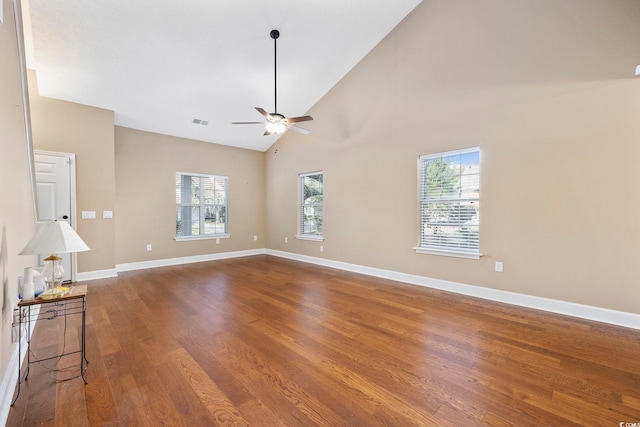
(205,237)
(313,237)
(441,252)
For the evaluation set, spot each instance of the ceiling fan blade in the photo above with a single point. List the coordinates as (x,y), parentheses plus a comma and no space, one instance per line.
(299,119)
(264,113)
(247,123)
(298,129)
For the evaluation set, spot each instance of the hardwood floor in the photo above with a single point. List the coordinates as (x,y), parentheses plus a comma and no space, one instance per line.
(264,341)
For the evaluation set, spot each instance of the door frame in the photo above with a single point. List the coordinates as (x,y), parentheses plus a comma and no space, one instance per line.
(71,159)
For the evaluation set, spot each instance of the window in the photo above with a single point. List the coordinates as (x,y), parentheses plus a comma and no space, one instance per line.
(311,193)
(201,206)
(450,203)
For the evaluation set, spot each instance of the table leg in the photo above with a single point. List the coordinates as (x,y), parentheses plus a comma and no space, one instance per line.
(83,354)
(28,337)
(19,353)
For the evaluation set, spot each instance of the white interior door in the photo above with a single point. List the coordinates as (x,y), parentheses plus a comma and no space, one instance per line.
(54,174)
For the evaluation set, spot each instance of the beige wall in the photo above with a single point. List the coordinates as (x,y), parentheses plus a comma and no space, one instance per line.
(532,84)
(146,164)
(88,133)
(17,217)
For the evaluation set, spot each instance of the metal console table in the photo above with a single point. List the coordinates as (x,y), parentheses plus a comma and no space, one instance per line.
(75,302)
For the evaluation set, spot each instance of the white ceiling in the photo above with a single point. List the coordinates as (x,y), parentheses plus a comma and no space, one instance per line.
(159,64)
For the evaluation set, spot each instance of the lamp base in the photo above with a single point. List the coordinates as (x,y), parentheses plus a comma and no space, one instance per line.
(57,292)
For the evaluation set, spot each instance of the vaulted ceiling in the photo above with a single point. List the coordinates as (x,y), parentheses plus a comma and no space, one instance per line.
(160,64)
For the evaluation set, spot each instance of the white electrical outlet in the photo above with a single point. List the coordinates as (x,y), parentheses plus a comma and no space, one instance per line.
(107,214)
(286,240)
(255,238)
(217,241)
(321,248)
(499,266)
(149,247)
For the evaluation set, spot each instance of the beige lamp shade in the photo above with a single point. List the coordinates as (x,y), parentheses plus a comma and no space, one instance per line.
(55,237)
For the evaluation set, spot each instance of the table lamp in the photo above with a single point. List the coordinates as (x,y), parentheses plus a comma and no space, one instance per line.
(54,237)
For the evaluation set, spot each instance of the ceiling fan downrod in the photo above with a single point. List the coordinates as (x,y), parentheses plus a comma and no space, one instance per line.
(277,123)
(274,35)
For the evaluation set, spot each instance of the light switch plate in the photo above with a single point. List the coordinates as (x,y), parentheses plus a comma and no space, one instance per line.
(88,214)
(107,214)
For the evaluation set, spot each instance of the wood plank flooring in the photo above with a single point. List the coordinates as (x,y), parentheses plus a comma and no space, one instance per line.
(264,341)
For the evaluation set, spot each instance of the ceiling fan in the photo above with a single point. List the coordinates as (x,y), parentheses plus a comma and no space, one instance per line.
(276,123)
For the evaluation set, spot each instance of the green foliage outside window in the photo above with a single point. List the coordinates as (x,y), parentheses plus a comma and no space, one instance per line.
(449,201)
(312,212)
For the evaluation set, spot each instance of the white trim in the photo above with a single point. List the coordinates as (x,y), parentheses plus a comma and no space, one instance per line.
(104,274)
(444,249)
(442,252)
(201,237)
(598,314)
(314,237)
(301,235)
(201,205)
(26,109)
(10,377)
(449,153)
(96,274)
(186,260)
(203,175)
(318,172)
(7,387)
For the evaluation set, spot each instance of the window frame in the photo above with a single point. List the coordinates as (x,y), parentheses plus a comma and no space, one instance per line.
(319,236)
(448,250)
(202,217)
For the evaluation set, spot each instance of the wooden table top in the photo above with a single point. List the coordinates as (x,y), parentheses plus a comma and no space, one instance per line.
(77,291)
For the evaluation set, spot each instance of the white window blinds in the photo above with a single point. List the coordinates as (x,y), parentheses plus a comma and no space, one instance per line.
(450,201)
(201,205)
(311,194)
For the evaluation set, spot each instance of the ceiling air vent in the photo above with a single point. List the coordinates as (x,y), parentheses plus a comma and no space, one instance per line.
(200,122)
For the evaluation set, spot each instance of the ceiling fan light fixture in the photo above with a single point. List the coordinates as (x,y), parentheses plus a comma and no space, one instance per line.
(277,123)
(276,127)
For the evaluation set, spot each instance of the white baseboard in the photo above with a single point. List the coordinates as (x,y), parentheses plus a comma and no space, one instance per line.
(598,314)
(7,387)
(10,377)
(187,260)
(618,318)
(104,274)
(96,274)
